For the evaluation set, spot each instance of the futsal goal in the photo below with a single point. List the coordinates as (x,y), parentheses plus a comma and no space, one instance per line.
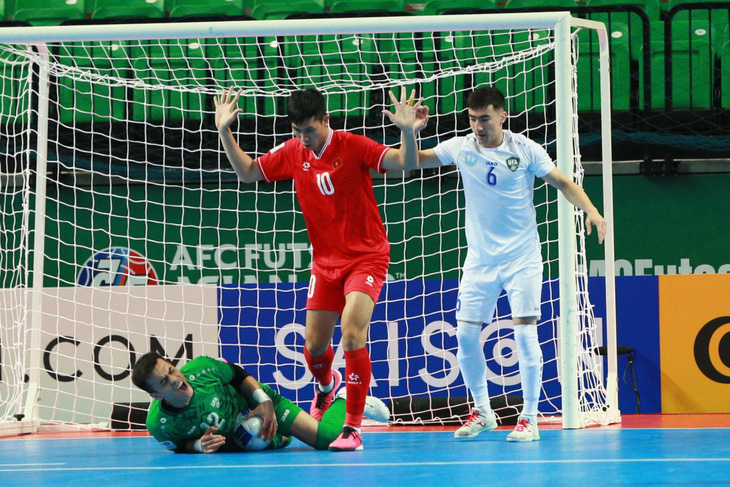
(123,228)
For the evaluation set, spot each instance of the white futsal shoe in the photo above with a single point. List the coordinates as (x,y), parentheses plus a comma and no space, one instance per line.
(475,424)
(375,409)
(525,430)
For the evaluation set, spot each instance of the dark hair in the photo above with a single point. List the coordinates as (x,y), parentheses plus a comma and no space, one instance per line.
(143,369)
(305,104)
(483,97)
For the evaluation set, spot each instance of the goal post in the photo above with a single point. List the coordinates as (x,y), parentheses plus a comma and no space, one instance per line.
(140,238)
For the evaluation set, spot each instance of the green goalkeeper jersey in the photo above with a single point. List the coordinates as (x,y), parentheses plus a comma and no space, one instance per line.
(215,402)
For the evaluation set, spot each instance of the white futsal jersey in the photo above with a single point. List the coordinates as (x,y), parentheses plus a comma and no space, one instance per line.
(498,186)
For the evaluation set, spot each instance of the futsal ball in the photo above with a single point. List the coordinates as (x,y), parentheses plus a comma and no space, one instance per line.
(246,432)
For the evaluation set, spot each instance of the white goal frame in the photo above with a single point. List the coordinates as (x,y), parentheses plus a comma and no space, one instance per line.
(561,22)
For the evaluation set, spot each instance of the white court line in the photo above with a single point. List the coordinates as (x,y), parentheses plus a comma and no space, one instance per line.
(383,464)
(26,465)
(426,430)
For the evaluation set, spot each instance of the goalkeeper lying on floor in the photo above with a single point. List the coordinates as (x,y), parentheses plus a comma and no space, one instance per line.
(195,408)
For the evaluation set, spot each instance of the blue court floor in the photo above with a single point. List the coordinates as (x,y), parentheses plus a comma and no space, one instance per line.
(398,457)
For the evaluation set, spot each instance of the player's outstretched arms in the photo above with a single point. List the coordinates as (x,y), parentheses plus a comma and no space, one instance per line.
(226,112)
(579,198)
(208,443)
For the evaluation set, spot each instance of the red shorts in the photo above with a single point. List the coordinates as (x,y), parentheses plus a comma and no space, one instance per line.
(328,287)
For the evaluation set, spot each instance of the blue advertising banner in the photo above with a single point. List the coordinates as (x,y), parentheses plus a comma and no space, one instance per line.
(413,340)
(637,327)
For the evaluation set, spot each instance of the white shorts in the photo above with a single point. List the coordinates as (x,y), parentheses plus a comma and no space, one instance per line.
(482,284)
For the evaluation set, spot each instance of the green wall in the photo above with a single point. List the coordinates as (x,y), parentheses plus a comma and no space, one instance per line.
(678,223)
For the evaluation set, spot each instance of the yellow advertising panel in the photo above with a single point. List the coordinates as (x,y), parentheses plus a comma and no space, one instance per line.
(694,334)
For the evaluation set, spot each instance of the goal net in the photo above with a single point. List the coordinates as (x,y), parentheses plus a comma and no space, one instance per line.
(124,230)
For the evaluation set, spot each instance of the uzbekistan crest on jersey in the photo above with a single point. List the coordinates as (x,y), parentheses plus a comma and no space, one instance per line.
(117,266)
(513,163)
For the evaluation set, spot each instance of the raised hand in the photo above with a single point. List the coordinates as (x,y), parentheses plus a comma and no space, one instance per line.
(226,109)
(408,115)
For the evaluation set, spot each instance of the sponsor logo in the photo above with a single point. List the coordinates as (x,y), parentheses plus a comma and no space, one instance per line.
(168,444)
(215,402)
(117,266)
(306,166)
(513,163)
(370,280)
(469,159)
(284,416)
(353,378)
(711,350)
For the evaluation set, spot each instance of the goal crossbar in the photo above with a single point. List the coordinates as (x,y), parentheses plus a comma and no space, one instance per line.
(184,30)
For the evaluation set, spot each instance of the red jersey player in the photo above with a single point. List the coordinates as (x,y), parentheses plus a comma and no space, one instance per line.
(331,173)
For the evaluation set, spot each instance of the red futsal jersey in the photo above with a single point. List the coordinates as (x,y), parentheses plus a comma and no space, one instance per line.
(335,192)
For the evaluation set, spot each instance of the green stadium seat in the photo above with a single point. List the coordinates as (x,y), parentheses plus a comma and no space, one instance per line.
(204,8)
(177,63)
(276,9)
(44,12)
(725,80)
(652,8)
(668,5)
(440,7)
(541,4)
(369,6)
(411,58)
(237,62)
(122,9)
(382,49)
(80,101)
(520,82)
(458,50)
(16,81)
(634,14)
(623,95)
(334,63)
(447,50)
(692,58)
(698,11)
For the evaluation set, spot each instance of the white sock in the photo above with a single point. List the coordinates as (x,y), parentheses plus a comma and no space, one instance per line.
(328,387)
(473,364)
(530,363)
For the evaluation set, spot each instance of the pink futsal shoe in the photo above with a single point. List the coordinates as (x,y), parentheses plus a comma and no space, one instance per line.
(323,400)
(349,440)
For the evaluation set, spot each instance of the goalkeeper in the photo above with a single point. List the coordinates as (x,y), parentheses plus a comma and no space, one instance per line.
(498,169)
(350,251)
(194,407)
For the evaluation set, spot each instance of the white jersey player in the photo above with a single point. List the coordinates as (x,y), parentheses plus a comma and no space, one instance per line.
(498,170)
